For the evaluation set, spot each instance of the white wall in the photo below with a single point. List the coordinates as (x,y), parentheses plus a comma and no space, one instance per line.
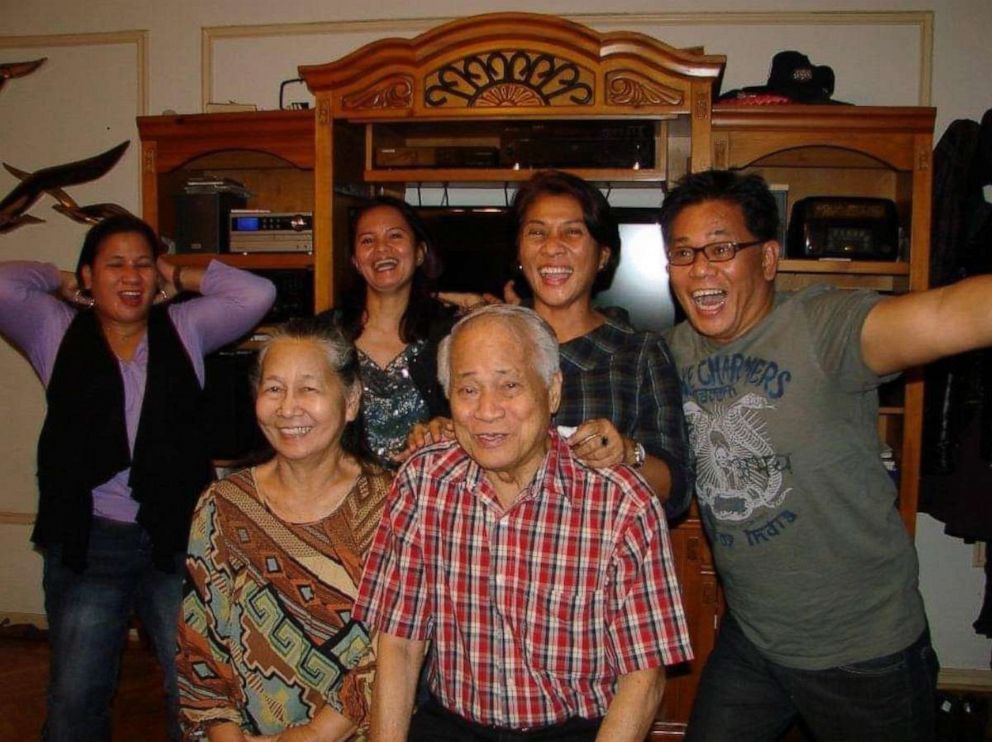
(961,88)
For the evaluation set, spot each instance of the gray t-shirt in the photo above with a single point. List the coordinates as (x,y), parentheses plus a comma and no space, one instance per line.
(817,566)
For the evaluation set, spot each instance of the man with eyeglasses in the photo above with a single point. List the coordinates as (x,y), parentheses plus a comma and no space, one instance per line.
(824,618)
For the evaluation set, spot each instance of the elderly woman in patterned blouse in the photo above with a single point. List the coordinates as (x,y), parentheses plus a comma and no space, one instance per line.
(267,646)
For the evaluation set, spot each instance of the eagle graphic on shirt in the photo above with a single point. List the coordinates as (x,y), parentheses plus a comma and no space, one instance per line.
(737,470)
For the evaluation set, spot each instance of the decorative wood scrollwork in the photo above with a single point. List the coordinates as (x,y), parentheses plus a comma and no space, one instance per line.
(323,113)
(500,78)
(720,154)
(393,92)
(148,159)
(625,88)
(701,109)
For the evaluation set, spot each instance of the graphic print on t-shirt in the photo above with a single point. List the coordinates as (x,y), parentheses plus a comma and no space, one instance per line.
(737,471)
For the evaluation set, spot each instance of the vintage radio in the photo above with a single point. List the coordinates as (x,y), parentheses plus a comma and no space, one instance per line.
(844,227)
(271,232)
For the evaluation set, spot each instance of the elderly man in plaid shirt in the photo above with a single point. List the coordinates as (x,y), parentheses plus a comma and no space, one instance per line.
(548,588)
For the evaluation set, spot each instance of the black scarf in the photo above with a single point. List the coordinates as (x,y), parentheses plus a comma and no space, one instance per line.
(84,440)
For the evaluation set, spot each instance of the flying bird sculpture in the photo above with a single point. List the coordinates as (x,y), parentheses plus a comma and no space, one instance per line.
(31,187)
(91,214)
(10,70)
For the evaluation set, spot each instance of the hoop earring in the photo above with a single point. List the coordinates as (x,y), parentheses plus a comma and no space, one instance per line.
(83,298)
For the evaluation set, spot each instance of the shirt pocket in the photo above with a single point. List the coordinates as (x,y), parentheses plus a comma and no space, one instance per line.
(564,631)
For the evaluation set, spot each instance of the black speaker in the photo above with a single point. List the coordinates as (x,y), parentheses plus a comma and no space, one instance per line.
(294,294)
(229,406)
(203,221)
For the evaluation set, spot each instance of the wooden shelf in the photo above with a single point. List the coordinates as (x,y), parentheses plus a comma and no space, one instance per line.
(628,177)
(252,261)
(864,267)
(888,277)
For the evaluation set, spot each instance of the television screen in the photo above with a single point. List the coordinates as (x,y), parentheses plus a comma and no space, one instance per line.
(640,284)
(478,248)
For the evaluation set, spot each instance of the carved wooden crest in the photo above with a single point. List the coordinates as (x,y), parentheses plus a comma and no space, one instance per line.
(518,62)
(393,92)
(505,77)
(626,88)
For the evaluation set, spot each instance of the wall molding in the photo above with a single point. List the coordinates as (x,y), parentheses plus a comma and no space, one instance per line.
(12,518)
(138,38)
(965,681)
(923,20)
(38,620)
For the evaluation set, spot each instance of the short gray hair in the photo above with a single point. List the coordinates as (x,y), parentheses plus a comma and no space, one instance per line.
(338,351)
(527,322)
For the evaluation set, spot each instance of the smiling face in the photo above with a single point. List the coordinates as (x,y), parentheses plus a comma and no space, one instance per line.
(559,257)
(724,300)
(385,251)
(122,279)
(500,406)
(301,405)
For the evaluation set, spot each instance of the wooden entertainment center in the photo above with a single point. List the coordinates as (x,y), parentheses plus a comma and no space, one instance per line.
(435,109)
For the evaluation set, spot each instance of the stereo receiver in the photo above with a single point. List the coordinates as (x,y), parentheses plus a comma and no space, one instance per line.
(264,231)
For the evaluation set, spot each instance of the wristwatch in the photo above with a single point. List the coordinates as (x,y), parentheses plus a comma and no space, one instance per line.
(639,455)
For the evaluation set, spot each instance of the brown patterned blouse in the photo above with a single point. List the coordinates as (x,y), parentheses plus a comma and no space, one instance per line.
(266,636)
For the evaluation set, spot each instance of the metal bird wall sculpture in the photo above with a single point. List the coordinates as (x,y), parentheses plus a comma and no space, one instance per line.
(67,206)
(10,70)
(30,189)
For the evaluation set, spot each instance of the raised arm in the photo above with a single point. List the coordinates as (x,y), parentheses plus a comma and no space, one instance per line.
(32,316)
(916,328)
(231,303)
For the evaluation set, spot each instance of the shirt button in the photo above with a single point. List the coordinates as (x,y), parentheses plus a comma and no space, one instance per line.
(500,580)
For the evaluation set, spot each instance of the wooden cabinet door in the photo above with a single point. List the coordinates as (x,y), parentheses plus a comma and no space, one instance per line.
(702,602)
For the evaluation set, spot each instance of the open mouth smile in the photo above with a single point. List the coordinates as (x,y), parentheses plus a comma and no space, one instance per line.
(708,299)
(386,264)
(555,274)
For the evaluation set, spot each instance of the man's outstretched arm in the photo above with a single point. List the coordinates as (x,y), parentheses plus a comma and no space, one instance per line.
(919,327)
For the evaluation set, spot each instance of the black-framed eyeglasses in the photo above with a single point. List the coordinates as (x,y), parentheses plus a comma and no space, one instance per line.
(715,252)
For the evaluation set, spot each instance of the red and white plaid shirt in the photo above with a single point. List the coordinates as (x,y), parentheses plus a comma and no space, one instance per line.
(534,612)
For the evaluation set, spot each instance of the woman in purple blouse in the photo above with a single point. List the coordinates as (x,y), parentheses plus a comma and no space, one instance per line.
(122,455)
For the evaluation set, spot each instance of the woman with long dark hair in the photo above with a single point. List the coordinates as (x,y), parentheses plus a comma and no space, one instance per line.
(396,322)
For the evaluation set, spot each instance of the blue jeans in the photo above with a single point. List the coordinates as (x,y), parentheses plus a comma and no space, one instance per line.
(88,617)
(743,697)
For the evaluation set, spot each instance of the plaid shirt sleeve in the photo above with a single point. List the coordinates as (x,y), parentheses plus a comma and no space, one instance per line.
(661,427)
(392,596)
(649,629)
